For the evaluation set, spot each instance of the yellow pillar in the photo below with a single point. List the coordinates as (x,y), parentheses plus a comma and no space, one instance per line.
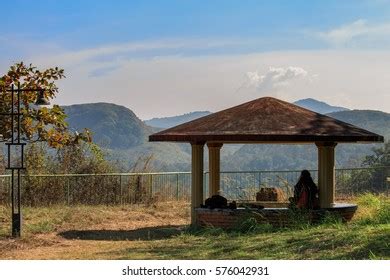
(214,168)
(326,173)
(196,179)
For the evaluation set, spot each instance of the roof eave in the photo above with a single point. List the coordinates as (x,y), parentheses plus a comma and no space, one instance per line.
(247,138)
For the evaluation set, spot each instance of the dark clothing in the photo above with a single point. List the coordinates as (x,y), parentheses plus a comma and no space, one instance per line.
(312,191)
(306,186)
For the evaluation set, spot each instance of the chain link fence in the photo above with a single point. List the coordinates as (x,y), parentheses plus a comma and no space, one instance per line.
(133,188)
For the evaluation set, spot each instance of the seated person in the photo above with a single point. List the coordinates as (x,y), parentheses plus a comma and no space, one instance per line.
(305,192)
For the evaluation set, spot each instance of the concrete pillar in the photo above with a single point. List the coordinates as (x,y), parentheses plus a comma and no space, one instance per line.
(214,167)
(196,179)
(326,173)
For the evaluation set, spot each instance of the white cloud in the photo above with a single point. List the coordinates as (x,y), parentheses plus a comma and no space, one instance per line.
(174,85)
(103,60)
(275,78)
(359,32)
(131,49)
(171,85)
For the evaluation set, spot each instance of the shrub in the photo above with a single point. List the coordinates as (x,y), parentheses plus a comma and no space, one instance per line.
(369,200)
(383,214)
(376,209)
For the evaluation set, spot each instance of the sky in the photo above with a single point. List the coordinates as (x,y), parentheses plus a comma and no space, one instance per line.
(164,58)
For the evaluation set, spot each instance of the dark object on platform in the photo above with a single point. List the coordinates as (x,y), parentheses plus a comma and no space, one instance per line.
(232,205)
(253,206)
(270,194)
(218,201)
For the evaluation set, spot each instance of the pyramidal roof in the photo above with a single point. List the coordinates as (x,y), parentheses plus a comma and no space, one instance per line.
(267,120)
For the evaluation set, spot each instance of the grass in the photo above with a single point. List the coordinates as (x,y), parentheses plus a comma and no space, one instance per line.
(160,232)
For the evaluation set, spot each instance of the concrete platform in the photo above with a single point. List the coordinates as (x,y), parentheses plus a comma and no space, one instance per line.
(283,216)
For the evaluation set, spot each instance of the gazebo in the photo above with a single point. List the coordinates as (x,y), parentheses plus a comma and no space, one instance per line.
(265,120)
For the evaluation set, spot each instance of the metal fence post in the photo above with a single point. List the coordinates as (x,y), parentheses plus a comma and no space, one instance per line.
(120,190)
(151,186)
(68,192)
(9,187)
(177,187)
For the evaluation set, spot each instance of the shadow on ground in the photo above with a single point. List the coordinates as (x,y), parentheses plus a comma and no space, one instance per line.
(149,233)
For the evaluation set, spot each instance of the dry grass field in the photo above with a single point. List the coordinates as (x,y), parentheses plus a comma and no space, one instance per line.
(89,232)
(161,231)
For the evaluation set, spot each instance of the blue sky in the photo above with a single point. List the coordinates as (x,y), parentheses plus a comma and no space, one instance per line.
(244,49)
(84,24)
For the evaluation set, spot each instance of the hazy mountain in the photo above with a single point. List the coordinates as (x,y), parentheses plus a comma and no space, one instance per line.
(374,121)
(318,106)
(176,120)
(308,103)
(124,137)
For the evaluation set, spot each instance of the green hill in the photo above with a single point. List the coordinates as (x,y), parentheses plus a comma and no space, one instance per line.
(113,126)
(123,136)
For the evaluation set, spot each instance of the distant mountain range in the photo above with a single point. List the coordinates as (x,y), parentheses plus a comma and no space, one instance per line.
(308,103)
(318,106)
(124,137)
(176,120)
